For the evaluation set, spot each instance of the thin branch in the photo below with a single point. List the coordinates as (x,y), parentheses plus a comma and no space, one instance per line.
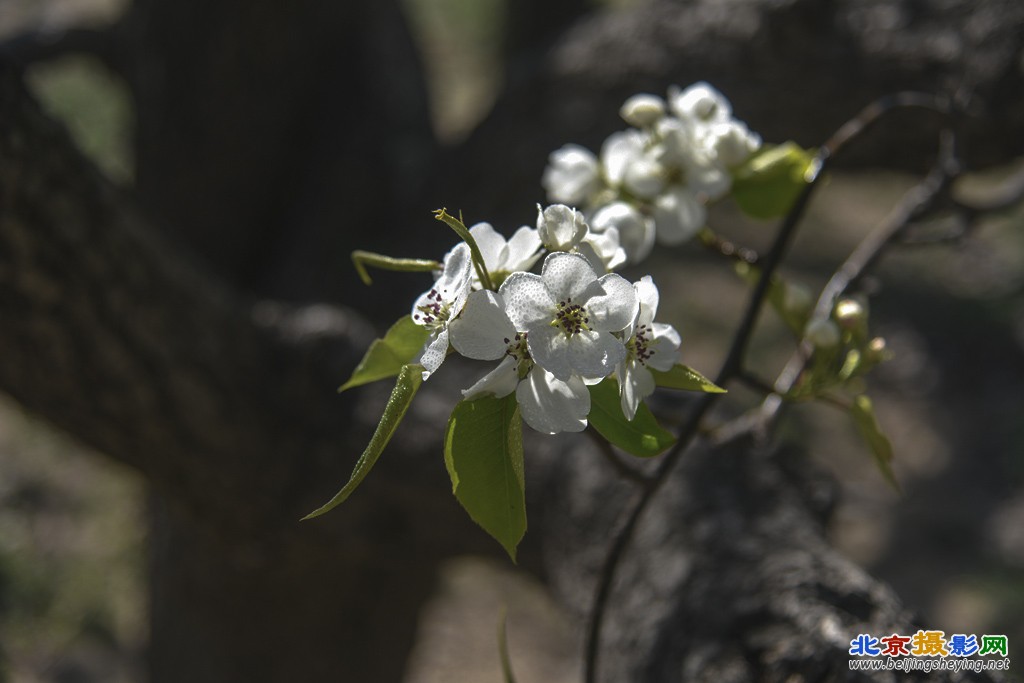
(733,363)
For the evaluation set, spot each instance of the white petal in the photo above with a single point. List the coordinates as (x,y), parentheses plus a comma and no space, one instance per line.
(665,349)
(678,216)
(434,353)
(523,250)
(550,405)
(602,250)
(499,382)
(560,228)
(567,276)
(571,175)
(642,110)
(491,244)
(589,354)
(699,102)
(458,270)
(635,384)
(644,177)
(483,331)
(618,151)
(636,232)
(709,179)
(528,302)
(615,307)
(647,295)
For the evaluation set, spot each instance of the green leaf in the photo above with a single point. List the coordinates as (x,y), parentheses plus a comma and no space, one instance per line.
(768,183)
(409,380)
(864,416)
(483,451)
(386,357)
(361,259)
(687,379)
(642,436)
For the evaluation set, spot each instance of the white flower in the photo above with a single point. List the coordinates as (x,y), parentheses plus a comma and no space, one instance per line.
(547,404)
(619,151)
(648,345)
(569,315)
(732,142)
(572,175)
(636,231)
(602,250)
(503,257)
(435,308)
(560,228)
(678,215)
(642,110)
(699,103)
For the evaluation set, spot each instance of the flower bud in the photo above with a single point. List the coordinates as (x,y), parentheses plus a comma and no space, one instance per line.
(822,333)
(560,227)
(850,314)
(642,111)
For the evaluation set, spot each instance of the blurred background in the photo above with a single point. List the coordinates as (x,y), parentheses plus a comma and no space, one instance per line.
(73,554)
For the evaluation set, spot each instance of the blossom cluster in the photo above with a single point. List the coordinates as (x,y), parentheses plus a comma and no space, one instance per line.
(654,180)
(553,333)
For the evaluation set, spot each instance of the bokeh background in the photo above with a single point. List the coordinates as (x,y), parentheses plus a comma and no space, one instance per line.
(73,596)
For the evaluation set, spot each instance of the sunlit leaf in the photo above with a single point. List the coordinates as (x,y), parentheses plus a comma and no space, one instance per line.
(881,448)
(483,451)
(642,436)
(768,183)
(409,380)
(386,356)
(687,379)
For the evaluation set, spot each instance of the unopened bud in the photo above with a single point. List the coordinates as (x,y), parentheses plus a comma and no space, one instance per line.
(824,334)
(642,111)
(850,313)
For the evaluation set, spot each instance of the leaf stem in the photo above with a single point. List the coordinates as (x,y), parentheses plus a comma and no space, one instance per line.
(460,229)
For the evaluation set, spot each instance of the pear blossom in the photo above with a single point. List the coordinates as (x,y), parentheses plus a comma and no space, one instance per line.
(648,345)
(572,175)
(484,331)
(503,257)
(570,315)
(560,228)
(602,250)
(699,103)
(636,231)
(437,307)
(679,215)
(642,110)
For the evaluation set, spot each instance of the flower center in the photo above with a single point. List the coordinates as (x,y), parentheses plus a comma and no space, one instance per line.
(571,318)
(434,314)
(518,349)
(642,345)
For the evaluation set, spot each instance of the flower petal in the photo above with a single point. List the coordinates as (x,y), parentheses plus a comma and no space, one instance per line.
(528,302)
(615,307)
(483,331)
(491,245)
(523,250)
(567,276)
(560,228)
(499,382)
(647,295)
(588,353)
(571,175)
(635,384)
(665,349)
(678,215)
(619,151)
(434,353)
(550,405)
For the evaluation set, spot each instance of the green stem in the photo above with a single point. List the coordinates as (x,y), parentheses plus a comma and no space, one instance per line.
(460,229)
(361,259)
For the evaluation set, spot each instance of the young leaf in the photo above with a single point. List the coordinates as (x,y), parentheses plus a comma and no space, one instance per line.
(483,451)
(642,436)
(386,356)
(687,379)
(409,380)
(864,416)
(361,259)
(768,183)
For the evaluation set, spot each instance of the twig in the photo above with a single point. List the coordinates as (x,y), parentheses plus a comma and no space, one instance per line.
(733,363)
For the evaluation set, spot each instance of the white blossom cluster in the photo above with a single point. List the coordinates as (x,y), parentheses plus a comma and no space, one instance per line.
(654,180)
(553,334)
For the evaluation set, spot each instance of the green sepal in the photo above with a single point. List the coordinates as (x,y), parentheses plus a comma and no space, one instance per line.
(483,452)
(863,414)
(361,259)
(642,436)
(386,356)
(687,379)
(409,380)
(766,185)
